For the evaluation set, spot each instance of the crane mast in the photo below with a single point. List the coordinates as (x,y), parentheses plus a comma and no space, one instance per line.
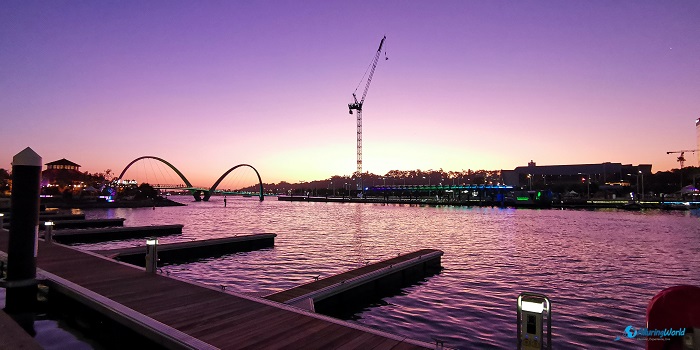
(681,157)
(357,106)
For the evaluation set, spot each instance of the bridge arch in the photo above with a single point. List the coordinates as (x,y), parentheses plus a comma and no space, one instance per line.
(213,187)
(184,179)
(197,194)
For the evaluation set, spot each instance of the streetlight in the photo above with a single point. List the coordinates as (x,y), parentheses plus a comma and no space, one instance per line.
(636,184)
(641,173)
(428,185)
(588,184)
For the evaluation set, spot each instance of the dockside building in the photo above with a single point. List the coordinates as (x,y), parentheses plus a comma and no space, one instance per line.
(548,175)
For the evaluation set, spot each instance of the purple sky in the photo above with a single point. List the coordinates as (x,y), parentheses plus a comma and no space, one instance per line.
(468,84)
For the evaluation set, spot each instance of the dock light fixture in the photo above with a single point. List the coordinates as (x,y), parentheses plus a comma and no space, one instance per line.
(48,233)
(532,307)
(151,255)
(533,310)
(1,219)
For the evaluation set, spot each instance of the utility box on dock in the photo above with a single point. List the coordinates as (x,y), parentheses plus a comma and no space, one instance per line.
(533,311)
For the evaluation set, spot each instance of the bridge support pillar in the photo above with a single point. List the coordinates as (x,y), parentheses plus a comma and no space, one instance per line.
(197,195)
(207,195)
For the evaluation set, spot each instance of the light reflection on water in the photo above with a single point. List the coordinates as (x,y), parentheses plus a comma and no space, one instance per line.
(599,268)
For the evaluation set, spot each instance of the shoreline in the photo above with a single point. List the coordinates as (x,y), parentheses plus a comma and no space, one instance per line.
(574,204)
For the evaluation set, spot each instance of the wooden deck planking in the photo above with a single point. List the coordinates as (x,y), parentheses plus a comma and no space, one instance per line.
(189,316)
(359,342)
(223,320)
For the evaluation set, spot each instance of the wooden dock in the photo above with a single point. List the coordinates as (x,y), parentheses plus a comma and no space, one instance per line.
(175,311)
(362,279)
(187,251)
(111,233)
(86,223)
(48,216)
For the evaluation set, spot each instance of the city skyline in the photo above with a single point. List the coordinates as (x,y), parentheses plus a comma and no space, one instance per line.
(467,85)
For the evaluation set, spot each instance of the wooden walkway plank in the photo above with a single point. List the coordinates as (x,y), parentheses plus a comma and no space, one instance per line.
(285,337)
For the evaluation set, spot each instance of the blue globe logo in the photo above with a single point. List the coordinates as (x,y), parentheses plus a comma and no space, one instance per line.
(631,332)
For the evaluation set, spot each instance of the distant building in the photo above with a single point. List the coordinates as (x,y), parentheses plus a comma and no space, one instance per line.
(61,173)
(548,175)
(62,164)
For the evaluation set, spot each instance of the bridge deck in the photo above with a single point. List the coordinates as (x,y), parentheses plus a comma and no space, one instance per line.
(221,319)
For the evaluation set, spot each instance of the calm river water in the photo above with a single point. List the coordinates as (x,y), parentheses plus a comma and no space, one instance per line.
(599,268)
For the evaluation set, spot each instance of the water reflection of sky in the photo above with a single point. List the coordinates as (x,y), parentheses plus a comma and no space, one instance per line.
(599,268)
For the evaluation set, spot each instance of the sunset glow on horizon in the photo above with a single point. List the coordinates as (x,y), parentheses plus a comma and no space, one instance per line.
(467,84)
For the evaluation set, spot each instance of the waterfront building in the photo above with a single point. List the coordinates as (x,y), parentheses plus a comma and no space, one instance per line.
(604,175)
(61,173)
(62,164)
(64,177)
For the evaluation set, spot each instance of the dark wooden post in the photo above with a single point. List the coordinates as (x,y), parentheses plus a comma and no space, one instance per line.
(24,230)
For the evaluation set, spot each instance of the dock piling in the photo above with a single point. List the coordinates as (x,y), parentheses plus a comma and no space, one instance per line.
(24,232)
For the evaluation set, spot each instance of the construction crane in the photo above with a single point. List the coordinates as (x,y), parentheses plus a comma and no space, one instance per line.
(357,106)
(681,158)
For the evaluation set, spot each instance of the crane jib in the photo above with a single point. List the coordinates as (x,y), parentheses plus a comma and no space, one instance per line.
(381,43)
